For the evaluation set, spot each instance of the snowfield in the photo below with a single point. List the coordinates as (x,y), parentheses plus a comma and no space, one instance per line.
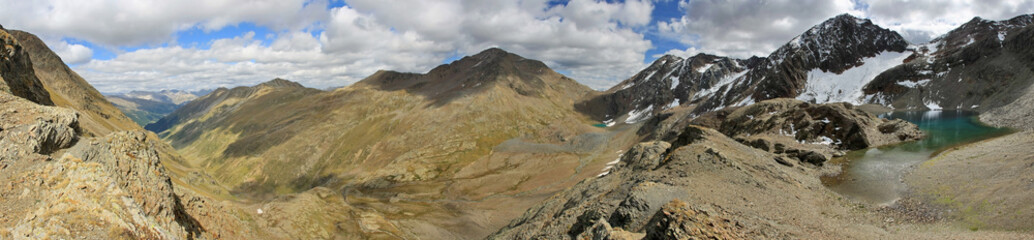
(825,87)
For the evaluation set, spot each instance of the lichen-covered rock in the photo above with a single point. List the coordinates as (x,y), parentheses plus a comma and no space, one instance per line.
(26,127)
(678,220)
(645,155)
(136,167)
(111,187)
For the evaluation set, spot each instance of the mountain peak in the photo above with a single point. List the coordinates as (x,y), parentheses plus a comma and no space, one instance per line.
(280,82)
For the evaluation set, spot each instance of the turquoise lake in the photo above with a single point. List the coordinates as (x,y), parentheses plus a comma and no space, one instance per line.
(875,175)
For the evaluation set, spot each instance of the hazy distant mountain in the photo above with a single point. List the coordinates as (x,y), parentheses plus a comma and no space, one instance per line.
(147,107)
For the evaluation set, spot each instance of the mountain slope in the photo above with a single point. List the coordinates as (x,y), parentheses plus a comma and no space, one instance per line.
(668,82)
(454,145)
(981,65)
(831,62)
(16,73)
(68,89)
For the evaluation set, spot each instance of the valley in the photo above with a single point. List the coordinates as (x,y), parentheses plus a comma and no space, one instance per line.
(846,131)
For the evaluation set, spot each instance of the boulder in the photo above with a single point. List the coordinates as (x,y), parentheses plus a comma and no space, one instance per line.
(678,220)
(646,155)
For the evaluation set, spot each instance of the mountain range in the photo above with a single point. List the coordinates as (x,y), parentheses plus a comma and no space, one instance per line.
(498,146)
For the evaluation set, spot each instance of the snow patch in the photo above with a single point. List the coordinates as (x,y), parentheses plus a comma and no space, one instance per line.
(912,84)
(745,102)
(721,83)
(704,68)
(824,87)
(639,115)
(673,104)
(674,82)
(933,106)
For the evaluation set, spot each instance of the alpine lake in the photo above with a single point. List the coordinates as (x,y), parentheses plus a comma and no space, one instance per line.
(875,175)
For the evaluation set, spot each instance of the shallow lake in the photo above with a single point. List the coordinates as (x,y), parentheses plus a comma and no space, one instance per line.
(875,175)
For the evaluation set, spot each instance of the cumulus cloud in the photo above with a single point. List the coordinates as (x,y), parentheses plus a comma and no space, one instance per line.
(922,20)
(71,54)
(594,41)
(744,28)
(124,22)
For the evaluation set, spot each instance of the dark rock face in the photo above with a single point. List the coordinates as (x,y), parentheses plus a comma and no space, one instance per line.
(669,81)
(16,72)
(979,66)
(835,45)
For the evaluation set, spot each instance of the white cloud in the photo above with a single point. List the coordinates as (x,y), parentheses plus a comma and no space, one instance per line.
(71,54)
(744,28)
(595,42)
(922,20)
(127,22)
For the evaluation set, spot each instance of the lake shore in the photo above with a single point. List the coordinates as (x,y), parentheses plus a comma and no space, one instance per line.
(983,185)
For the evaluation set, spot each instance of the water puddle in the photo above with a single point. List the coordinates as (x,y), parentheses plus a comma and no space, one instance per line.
(875,175)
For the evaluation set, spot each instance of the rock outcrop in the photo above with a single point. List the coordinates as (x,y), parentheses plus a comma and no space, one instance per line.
(17,75)
(812,133)
(107,187)
(30,129)
(679,220)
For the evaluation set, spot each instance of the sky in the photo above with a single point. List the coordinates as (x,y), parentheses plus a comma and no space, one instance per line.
(125,45)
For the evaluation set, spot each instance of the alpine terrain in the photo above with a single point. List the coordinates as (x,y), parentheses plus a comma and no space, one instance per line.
(792,145)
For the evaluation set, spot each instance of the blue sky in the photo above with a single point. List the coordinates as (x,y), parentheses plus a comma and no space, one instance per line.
(199,44)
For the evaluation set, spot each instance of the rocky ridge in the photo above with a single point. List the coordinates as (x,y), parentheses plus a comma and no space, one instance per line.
(702,184)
